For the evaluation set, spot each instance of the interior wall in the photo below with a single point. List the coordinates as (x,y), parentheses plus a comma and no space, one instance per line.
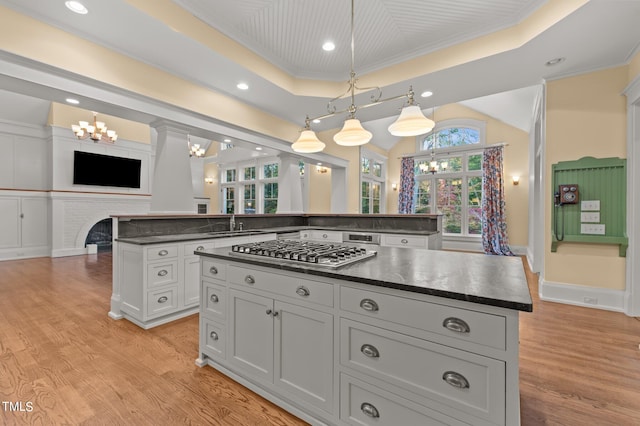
(319,191)
(516,163)
(585,116)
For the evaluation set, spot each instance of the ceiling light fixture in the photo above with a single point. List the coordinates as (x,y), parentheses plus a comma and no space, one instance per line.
(72,101)
(77,7)
(242,86)
(328,46)
(433,165)
(194,149)
(96,131)
(554,61)
(411,121)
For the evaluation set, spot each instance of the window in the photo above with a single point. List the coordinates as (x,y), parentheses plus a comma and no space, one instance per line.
(455,191)
(249,199)
(372,176)
(251,186)
(270,187)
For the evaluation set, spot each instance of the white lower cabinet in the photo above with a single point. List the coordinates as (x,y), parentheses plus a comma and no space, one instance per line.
(336,352)
(24,226)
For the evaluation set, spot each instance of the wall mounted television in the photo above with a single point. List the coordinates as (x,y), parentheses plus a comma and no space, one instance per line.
(105,170)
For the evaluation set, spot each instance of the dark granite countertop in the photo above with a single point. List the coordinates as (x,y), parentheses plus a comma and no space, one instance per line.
(174,238)
(478,278)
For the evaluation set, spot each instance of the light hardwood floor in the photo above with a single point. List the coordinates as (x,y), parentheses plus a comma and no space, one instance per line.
(61,353)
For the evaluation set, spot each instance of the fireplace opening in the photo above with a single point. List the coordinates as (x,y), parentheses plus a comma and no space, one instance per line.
(101,235)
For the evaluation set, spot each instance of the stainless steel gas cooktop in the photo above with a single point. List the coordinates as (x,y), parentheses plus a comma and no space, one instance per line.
(332,255)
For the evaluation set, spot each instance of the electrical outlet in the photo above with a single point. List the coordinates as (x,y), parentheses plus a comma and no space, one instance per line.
(590,300)
(590,205)
(592,228)
(593,217)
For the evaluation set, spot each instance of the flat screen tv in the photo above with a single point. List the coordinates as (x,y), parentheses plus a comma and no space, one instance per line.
(105,170)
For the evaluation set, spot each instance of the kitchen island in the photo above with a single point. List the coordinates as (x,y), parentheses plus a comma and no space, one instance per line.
(401,337)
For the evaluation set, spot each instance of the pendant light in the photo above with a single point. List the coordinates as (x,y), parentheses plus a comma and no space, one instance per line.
(411,121)
(308,142)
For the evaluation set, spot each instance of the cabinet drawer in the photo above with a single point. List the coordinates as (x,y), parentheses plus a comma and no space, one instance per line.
(162,273)
(409,241)
(363,404)
(458,379)
(320,235)
(214,299)
(213,338)
(214,269)
(162,252)
(162,302)
(189,248)
(298,288)
(471,326)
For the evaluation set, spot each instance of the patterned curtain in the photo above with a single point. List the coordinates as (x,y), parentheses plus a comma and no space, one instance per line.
(405,197)
(494,223)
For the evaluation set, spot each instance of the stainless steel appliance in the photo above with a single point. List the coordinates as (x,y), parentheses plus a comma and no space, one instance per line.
(331,255)
(361,237)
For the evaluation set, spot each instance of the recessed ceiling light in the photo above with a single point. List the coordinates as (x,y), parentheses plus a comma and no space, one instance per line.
(258,148)
(77,7)
(554,61)
(227,140)
(317,120)
(242,86)
(328,46)
(426,94)
(319,164)
(72,101)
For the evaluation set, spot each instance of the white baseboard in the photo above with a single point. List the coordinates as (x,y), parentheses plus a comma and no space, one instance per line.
(579,295)
(24,253)
(69,252)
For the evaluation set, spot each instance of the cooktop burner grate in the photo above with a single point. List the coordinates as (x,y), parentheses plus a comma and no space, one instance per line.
(317,253)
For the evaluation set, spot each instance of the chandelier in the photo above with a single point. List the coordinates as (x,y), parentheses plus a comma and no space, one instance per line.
(96,131)
(194,149)
(411,121)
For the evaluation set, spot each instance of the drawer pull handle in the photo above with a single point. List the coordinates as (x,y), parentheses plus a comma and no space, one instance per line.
(214,298)
(456,324)
(163,253)
(213,270)
(369,305)
(162,272)
(456,380)
(370,351)
(303,291)
(200,248)
(249,279)
(370,410)
(404,241)
(324,235)
(163,299)
(213,335)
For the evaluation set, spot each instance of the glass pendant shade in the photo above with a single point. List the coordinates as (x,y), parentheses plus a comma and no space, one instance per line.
(308,143)
(352,134)
(411,122)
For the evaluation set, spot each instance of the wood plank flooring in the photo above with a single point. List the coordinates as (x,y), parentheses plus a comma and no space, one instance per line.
(60,352)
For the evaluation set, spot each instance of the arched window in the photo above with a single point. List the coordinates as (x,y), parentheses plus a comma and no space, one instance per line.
(454,187)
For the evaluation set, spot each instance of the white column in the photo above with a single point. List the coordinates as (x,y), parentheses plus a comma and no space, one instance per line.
(172,185)
(338,190)
(289,187)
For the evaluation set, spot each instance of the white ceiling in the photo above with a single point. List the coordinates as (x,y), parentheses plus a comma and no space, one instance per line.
(289,33)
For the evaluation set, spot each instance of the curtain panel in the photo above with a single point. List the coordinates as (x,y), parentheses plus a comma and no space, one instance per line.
(494,221)
(405,195)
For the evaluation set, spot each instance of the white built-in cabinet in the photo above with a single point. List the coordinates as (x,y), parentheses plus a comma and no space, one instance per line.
(337,352)
(412,241)
(24,229)
(160,283)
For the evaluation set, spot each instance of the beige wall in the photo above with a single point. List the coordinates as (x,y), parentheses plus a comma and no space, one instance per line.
(319,191)
(586,116)
(516,160)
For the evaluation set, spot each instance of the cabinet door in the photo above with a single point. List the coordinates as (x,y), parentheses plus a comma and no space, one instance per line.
(304,353)
(251,334)
(191,281)
(9,222)
(34,222)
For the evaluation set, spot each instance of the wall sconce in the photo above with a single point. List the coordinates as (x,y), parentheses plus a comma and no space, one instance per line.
(394,186)
(321,169)
(516,180)
(208,180)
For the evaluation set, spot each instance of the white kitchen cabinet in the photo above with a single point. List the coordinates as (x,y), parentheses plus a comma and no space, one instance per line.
(405,241)
(24,229)
(321,235)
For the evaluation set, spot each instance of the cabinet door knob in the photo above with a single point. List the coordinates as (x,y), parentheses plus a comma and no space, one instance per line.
(163,299)
(162,272)
(370,351)
(213,335)
(303,291)
(214,298)
(275,313)
(269,311)
(249,279)
(369,305)
(404,241)
(456,324)
(456,380)
(213,270)
(369,410)
(200,248)
(163,253)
